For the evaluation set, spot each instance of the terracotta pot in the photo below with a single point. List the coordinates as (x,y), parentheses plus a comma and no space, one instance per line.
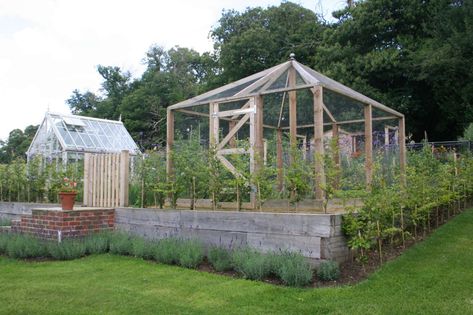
(67,200)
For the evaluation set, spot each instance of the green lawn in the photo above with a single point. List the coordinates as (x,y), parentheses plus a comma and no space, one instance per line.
(434,277)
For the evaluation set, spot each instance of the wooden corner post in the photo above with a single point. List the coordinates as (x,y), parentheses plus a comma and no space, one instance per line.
(319,143)
(253,147)
(169,143)
(402,149)
(368,146)
(213,124)
(259,144)
(292,109)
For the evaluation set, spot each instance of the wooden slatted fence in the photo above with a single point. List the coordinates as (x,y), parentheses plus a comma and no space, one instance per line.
(106,179)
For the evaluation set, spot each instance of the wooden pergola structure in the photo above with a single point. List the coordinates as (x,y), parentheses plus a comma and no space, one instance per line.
(288,78)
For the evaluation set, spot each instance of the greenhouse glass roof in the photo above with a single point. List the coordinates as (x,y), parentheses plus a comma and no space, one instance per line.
(70,133)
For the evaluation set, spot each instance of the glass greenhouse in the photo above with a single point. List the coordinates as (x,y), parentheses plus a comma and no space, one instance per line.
(290,106)
(68,137)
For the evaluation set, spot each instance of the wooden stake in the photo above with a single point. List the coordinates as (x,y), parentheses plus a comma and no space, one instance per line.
(279,159)
(259,146)
(402,150)
(455,162)
(265,152)
(319,143)
(336,153)
(169,143)
(378,230)
(386,136)
(368,146)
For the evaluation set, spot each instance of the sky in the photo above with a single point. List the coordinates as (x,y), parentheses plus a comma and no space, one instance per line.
(48,48)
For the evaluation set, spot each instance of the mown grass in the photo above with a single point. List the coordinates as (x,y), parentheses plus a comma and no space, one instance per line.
(433,277)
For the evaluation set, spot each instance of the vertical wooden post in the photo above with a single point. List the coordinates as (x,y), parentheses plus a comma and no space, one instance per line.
(213,124)
(336,135)
(455,166)
(169,143)
(292,109)
(259,145)
(124,178)
(107,180)
(402,149)
(386,136)
(252,150)
(265,152)
(102,183)
(104,174)
(85,200)
(336,153)
(232,141)
(279,159)
(112,179)
(258,139)
(94,180)
(368,146)
(304,148)
(319,143)
(117,179)
(110,182)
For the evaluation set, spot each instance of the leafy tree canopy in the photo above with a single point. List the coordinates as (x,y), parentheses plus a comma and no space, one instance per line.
(414,56)
(17,144)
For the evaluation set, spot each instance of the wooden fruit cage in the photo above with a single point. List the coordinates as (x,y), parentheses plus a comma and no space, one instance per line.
(289,99)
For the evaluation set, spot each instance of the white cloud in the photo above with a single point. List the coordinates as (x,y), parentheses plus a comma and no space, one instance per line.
(51,47)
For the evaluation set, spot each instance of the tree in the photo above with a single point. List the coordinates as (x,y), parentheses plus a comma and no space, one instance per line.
(17,144)
(171,76)
(259,38)
(414,56)
(468,133)
(83,103)
(115,86)
(445,63)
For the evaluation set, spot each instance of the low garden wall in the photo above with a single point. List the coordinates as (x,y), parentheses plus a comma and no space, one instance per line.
(316,236)
(57,224)
(14,210)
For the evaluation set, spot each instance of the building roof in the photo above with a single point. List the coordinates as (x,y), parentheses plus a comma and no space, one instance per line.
(274,80)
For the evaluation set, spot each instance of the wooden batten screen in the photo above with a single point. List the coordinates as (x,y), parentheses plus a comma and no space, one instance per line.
(106,179)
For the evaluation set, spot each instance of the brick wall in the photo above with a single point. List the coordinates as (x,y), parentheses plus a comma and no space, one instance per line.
(47,223)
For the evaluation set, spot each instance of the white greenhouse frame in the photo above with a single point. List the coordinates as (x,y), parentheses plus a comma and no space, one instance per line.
(67,137)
